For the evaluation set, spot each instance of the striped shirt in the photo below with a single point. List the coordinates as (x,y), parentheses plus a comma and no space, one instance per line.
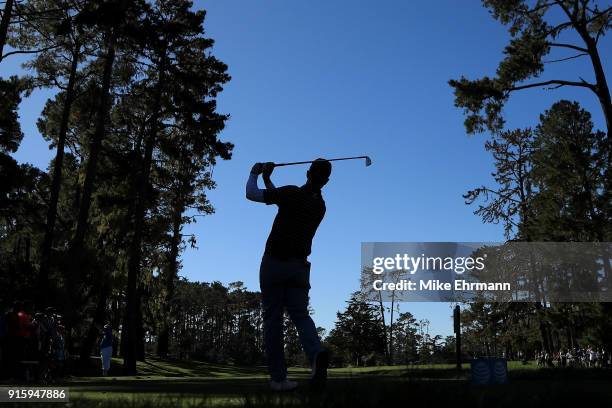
(300,211)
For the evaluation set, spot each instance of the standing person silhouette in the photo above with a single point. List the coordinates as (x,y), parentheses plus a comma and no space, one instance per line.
(106,349)
(284,275)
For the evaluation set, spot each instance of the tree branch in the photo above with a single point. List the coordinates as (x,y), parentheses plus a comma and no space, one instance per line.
(556,30)
(582,54)
(60,86)
(26,52)
(558,82)
(572,46)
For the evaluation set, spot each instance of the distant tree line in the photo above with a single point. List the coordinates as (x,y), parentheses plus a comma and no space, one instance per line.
(223,324)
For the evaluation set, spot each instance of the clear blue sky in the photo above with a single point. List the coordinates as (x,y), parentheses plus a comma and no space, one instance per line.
(339,78)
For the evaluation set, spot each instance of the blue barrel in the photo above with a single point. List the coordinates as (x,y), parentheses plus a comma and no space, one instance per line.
(489,370)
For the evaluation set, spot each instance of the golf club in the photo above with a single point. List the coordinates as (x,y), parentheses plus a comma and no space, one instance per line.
(368,161)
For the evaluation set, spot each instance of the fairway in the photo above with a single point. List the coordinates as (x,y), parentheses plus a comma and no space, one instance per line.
(164,383)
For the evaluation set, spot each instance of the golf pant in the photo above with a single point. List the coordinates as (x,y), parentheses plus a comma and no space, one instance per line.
(285,285)
(107,354)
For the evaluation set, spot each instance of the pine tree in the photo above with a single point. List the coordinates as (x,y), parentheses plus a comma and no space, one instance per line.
(181,83)
(62,46)
(358,333)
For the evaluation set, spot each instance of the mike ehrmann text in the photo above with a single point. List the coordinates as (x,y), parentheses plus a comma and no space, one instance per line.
(436,285)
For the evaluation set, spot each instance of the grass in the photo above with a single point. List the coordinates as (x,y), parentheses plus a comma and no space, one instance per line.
(168,383)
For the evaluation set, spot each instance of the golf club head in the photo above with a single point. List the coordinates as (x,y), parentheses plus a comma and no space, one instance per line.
(368,161)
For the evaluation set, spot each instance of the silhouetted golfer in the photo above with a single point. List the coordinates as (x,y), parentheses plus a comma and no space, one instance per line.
(284,275)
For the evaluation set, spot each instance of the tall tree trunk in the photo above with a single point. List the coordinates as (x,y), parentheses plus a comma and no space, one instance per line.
(140,343)
(542,324)
(99,319)
(163,341)
(135,249)
(43,274)
(602,91)
(4,24)
(391,328)
(384,325)
(77,244)
(95,146)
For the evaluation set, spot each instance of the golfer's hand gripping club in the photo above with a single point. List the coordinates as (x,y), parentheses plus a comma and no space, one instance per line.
(257,169)
(253,192)
(267,169)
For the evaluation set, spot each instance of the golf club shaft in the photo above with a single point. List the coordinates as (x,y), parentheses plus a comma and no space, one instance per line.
(310,161)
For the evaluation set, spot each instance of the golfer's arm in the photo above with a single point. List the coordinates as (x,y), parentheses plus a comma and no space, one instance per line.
(253,192)
(268,183)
